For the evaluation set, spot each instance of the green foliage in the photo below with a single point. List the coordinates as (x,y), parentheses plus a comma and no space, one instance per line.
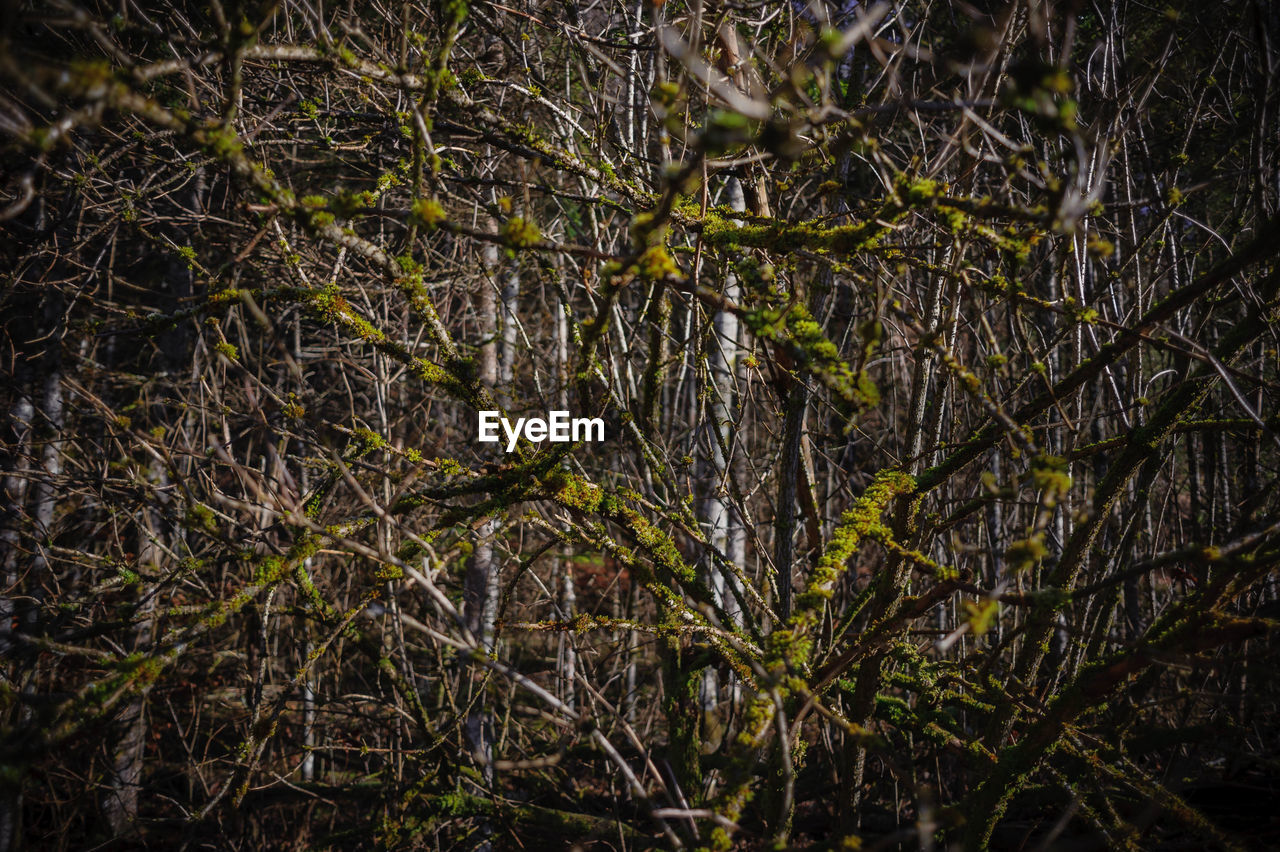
(1026,553)
(519,232)
(428,212)
(656,263)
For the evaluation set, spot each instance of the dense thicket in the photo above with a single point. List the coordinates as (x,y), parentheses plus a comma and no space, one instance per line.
(936,346)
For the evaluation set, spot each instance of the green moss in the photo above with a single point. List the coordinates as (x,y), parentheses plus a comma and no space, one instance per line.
(519,232)
(862,521)
(955,220)
(427,212)
(796,328)
(575,492)
(786,237)
(655,263)
(268,571)
(1050,474)
(981,615)
(1100,248)
(433,373)
(918,192)
(1026,553)
(200,516)
(364,441)
(223,143)
(348,204)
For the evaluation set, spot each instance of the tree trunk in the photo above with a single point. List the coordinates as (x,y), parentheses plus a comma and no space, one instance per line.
(718,512)
(21,414)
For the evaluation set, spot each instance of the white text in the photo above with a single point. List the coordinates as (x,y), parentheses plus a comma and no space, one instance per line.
(557,427)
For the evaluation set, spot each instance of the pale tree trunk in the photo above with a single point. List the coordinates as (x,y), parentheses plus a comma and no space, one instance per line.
(510,332)
(15,498)
(121,806)
(720,518)
(35,428)
(499,322)
(21,414)
(45,490)
(304,623)
(496,370)
(481,585)
(46,428)
(566,652)
(308,691)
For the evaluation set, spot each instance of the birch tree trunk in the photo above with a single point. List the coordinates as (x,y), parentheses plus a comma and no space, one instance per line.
(723,527)
(47,430)
(21,414)
(480,584)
